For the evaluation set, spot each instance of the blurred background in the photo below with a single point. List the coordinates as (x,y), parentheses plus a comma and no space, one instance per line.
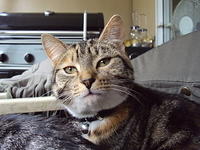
(108,7)
(148,24)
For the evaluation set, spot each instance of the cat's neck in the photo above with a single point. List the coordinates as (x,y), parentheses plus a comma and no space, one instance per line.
(122,118)
(102,130)
(100,115)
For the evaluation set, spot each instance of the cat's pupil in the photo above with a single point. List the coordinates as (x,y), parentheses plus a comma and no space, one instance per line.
(103,62)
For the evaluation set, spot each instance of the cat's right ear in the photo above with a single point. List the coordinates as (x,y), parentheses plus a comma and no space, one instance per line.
(114,30)
(54,47)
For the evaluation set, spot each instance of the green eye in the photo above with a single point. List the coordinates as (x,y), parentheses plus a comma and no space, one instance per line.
(103,62)
(70,70)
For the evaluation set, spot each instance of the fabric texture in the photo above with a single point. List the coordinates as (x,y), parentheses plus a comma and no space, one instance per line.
(172,67)
(32,83)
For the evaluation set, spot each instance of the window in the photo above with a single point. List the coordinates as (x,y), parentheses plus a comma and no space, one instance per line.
(175,18)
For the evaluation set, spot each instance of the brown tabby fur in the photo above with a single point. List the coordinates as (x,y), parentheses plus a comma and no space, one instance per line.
(141,119)
(109,126)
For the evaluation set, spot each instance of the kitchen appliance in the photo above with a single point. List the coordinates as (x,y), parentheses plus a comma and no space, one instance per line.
(20,44)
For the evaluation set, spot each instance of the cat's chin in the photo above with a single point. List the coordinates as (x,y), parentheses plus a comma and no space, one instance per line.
(89,104)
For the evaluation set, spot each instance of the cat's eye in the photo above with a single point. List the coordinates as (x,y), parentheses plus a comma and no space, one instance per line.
(70,70)
(103,62)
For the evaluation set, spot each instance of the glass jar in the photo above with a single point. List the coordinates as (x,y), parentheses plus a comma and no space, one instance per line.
(135,36)
(146,41)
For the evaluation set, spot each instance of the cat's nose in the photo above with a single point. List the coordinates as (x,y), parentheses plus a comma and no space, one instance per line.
(88,82)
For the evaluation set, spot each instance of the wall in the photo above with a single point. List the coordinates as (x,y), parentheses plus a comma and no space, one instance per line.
(108,7)
(146,7)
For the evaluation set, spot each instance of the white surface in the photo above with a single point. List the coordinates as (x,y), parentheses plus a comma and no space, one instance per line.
(3,96)
(24,105)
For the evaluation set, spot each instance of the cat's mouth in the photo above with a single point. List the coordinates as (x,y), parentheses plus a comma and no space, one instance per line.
(90,93)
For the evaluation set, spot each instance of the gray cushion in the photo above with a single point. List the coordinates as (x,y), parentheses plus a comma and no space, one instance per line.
(172,66)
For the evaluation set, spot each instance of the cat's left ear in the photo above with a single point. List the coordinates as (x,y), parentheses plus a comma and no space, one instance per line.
(114,30)
(54,47)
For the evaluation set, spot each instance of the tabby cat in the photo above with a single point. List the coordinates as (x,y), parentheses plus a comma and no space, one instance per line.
(94,82)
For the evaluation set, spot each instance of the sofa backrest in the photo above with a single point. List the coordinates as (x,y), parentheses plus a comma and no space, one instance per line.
(173,67)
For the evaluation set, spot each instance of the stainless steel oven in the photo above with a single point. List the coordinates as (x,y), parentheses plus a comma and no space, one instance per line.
(20,45)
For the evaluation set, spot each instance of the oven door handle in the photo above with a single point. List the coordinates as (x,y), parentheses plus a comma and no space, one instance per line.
(9,67)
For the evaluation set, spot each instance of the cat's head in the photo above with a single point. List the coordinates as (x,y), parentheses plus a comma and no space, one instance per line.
(92,75)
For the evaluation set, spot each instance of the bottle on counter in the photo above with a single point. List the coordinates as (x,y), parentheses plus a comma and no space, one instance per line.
(146,41)
(135,40)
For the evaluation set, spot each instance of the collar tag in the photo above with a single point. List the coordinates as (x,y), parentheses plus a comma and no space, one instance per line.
(85,127)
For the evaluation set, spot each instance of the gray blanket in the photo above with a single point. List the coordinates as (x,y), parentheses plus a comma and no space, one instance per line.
(32,83)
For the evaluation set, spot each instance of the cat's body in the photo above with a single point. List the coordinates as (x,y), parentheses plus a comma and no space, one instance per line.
(26,132)
(166,122)
(94,81)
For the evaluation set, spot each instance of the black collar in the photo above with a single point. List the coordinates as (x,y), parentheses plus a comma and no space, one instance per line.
(85,122)
(100,115)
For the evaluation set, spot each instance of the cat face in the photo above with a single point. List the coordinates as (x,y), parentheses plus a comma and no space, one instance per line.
(93,75)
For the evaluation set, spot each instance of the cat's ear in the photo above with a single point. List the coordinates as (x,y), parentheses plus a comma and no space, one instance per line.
(114,30)
(54,47)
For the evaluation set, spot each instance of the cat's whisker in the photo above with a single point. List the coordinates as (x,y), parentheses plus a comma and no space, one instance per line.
(66,99)
(126,88)
(47,93)
(116,133)
(120,90)
(63,90)
(62,95)
(128,93)
(122,80)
